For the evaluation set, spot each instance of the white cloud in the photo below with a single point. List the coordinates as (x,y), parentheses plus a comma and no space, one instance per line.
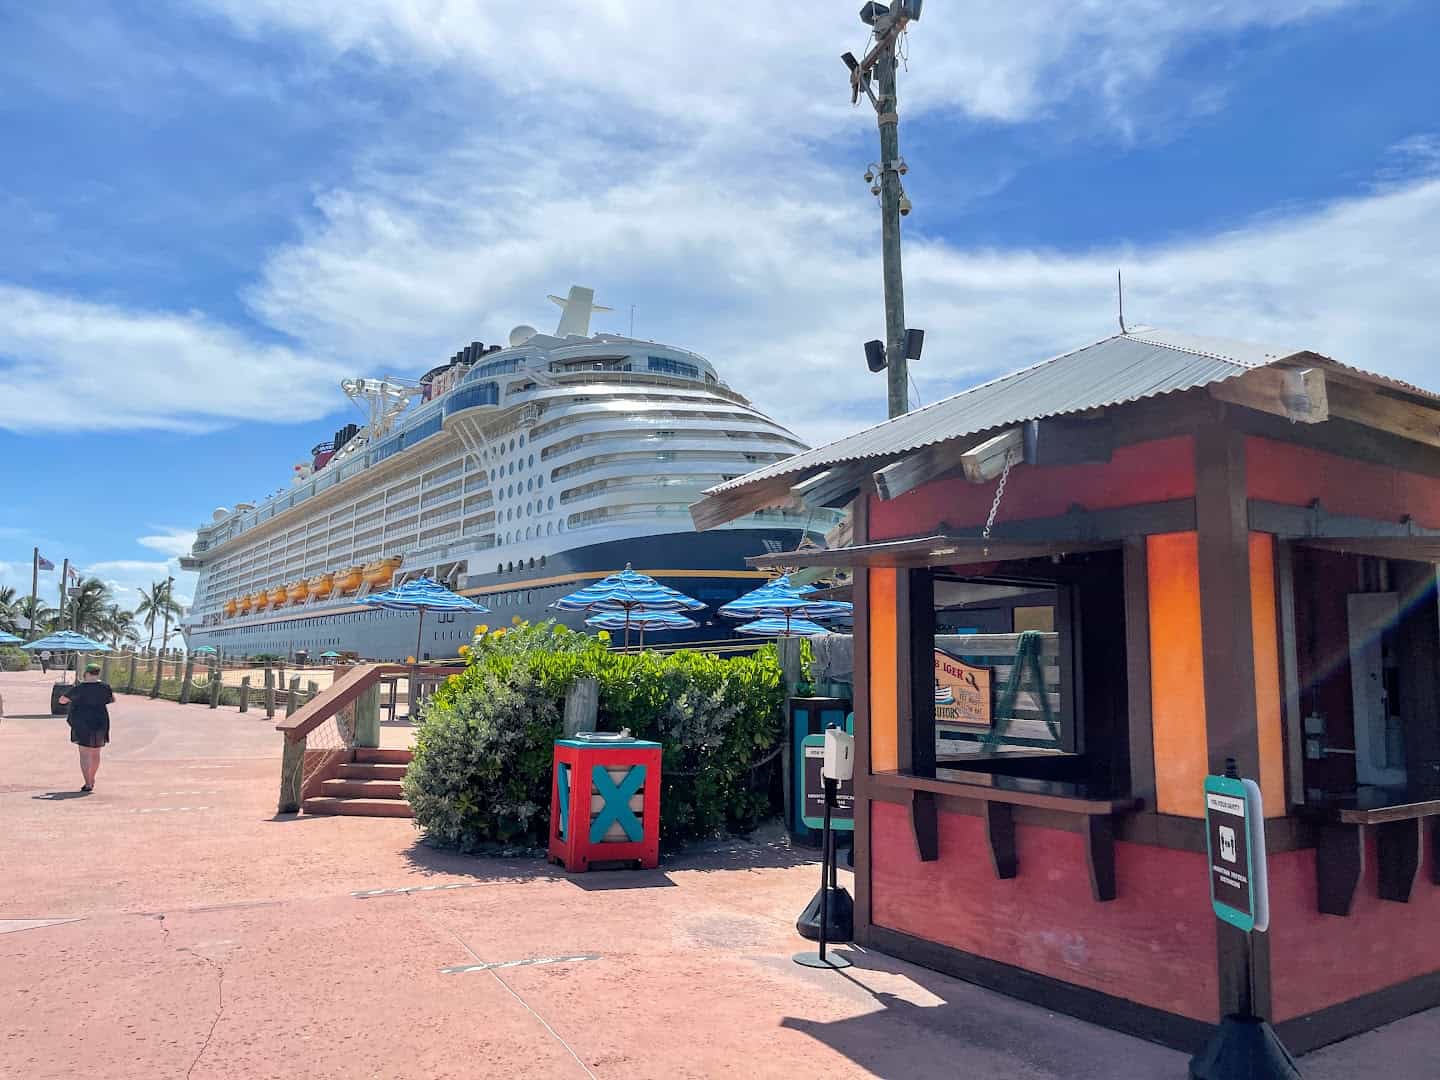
(170,541)
(705,64)
(65,360)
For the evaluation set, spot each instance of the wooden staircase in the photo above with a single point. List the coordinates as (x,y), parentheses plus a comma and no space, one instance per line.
(368,785)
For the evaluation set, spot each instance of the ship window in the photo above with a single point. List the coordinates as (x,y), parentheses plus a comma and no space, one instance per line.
(522,441)
(511,470)
(530,484)
(532,461)
(540,481)
(529,509)
(509,566)
(512,445)
(550,503)
(542,561)
(549,528)
(529,534)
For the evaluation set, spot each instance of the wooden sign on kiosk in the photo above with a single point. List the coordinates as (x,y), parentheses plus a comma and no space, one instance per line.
(962,691)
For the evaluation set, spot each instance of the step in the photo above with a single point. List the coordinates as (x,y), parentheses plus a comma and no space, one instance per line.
(359,770)
(362,789)
(358,807)
(368,756)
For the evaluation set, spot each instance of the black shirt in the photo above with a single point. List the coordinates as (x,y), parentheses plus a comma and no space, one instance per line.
(87,704)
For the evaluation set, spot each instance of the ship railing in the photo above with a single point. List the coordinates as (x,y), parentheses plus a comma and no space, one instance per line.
(322,734)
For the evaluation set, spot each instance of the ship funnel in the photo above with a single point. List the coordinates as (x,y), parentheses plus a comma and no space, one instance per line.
(576,310)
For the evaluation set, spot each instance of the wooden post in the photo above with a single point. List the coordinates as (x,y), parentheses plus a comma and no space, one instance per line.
(130,681)
(105,669)
(292,698)
(311,689)
(155,689)
(215,686)
(245,693)
(789,653)
(292,774)
(367,717)
(582,706)
(269,693)
(185,681)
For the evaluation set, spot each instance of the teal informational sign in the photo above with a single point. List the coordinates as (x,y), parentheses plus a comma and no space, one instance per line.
(813,795)
(1235,844)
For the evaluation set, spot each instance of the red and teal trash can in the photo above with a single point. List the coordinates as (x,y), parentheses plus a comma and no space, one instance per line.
(605,801)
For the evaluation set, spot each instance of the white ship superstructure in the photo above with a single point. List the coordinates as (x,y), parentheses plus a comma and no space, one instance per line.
(507,473)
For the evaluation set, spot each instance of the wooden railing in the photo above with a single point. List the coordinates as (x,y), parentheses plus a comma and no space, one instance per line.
(321,734)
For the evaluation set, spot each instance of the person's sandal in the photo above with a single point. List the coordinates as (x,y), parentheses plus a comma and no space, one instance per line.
(87,787)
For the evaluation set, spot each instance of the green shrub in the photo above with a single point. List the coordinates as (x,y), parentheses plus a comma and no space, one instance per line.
(13,658)
(483,754)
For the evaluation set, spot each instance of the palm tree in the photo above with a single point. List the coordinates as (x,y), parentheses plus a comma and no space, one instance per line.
(158,603)
(148,610)
(40,618)
(88,608)
(9,610)
(120,626)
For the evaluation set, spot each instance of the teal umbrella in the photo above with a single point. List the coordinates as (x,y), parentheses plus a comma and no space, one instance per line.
(329,654)
(205,649)
(9,639)
(66,641)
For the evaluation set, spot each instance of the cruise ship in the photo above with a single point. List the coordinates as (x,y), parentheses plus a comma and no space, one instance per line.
(514,474)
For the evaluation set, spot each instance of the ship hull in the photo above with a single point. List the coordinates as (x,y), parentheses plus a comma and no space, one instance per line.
(707,566)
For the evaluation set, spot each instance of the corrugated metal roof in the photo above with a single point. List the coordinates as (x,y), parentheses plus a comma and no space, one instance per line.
(1116,370)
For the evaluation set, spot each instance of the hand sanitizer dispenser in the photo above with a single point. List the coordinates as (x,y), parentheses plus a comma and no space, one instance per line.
(839,755)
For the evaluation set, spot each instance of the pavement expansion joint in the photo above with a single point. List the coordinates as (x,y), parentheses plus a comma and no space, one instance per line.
(531,962)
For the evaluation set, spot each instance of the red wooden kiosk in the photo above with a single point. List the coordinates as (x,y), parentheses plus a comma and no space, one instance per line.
(1212,550)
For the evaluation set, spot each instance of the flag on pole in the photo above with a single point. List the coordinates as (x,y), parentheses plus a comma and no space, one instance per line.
(43,563)
(74,574)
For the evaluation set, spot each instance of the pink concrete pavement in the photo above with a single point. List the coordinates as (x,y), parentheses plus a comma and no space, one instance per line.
(205,938)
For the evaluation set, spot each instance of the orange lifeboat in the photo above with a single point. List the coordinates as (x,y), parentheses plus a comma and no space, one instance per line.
(244,605)
(347,581)
(321,585)
(231,606)
(378,574)
(278,596)
(298,591)
(260,600)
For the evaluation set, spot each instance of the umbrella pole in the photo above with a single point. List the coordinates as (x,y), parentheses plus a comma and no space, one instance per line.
(627,628)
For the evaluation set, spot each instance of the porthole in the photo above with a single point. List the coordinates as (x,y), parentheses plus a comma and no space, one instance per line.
(512,446)
(522,442)
(549,528)
(529,534)
(550,503)
(530,484)
(532,461)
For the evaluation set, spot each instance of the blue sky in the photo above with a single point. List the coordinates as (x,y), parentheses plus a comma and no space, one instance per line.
(210,212)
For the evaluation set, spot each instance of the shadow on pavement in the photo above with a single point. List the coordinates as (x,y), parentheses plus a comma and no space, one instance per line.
(34,716)
(934,1024)
(57,796)
(619,880)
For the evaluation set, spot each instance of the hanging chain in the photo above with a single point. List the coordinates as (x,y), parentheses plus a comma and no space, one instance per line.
(999,494)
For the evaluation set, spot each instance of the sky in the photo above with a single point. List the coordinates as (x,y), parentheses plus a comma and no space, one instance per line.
(212,211)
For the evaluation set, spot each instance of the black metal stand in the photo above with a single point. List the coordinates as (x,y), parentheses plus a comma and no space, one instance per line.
(1244,1046)
(822,959)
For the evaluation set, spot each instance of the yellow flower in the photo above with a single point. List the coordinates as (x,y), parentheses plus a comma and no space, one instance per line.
(409,659)
(464,650)
(499,633)
(482,630)
(453,680)
(517,621)
(603,635)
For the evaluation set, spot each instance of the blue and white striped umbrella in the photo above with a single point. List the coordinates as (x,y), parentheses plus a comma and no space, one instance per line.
(779,599)
(627,591)
(8,638)
(775,627)
(645,620)
(66,641)
(422,595)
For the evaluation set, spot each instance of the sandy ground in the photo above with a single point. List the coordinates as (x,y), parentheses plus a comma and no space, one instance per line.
(170,925)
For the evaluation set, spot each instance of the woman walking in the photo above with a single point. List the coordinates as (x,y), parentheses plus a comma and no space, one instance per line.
(89,720)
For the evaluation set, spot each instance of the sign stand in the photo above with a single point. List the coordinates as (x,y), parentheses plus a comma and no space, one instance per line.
(827,872)
(1244,1046)
(838,764)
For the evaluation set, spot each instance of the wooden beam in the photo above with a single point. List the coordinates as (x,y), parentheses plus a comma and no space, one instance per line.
(926,464)
(834,487)
(925,824)
(718,509)
(987,460)
(1397,853)
(1000,831)
(1376,409)
(1298,394)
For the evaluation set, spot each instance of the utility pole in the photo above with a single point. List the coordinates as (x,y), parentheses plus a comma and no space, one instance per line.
(888,23)
(64,612)
(34,588)
(898,368)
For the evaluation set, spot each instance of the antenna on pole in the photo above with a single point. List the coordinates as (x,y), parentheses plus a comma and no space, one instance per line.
(1120,297)
(632,320)
(887,23)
